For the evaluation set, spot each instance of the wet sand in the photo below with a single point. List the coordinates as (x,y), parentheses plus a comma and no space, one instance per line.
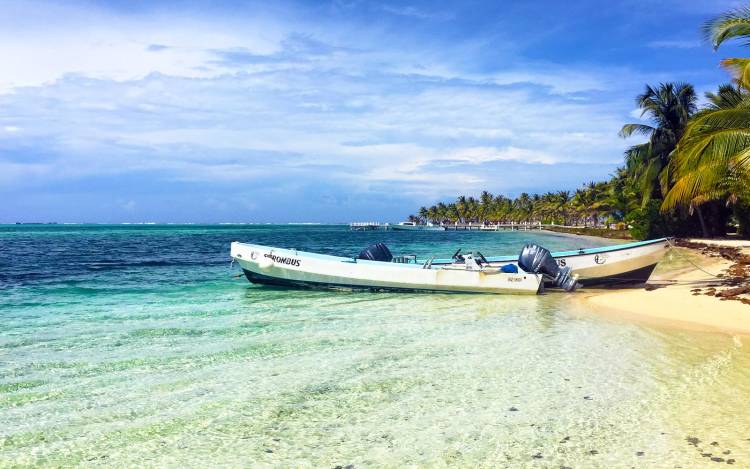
(681,295)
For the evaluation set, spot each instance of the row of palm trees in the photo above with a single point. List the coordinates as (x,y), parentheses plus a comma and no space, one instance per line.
(690,176)
(589,205)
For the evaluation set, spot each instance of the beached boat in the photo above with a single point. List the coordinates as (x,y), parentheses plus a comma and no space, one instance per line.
(376,269)
(630,263)
(411,226)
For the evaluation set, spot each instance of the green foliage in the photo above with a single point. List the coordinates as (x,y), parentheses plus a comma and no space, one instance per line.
(668,108)
(646,221)
(591,204)
(712,160)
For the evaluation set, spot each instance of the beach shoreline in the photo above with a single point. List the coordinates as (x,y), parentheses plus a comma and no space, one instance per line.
(680,295)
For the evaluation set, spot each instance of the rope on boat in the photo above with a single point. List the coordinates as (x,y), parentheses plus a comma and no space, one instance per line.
(231,265)
(669,241)
(699,281)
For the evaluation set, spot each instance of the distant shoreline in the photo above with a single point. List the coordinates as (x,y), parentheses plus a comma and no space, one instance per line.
(590,231)
(591,237)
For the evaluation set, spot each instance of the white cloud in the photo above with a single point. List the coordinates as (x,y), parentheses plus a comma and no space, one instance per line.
(128,205)
(676,44)
(414,12)
(225,102)
(40,45)
(478,155)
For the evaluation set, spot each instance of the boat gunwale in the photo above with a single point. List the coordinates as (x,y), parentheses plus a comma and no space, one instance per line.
(328,257)
(438,262)
(574,253)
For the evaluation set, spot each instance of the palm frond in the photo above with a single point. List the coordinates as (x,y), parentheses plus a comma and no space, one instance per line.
(733,24)
(739,69)
(631,129)
(728,96)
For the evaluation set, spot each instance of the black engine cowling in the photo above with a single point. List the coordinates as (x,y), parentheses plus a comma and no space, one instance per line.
(376,252)
(536,259)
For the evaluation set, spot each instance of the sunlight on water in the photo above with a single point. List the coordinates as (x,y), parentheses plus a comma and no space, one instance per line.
(141,349)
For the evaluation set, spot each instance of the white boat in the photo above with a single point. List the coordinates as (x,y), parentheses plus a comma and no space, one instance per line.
(630,263)
(411,226)
(290,267)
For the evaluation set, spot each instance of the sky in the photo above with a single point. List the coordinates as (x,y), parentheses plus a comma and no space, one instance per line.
(324,111)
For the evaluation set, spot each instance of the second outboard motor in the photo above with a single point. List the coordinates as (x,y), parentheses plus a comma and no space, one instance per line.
(536,259)
(376,252)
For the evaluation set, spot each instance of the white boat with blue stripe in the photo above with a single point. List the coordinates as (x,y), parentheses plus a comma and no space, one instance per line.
(621,264)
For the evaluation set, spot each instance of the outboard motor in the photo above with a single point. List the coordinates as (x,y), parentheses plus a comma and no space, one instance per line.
(376,252)
(536,259)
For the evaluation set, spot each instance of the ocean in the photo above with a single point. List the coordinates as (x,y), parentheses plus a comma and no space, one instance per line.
(138,345)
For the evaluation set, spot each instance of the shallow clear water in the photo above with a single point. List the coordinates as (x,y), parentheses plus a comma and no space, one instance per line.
(135,345)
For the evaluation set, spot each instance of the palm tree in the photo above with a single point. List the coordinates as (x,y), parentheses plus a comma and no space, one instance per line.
(423,214)
(731,25)
(522,207)
(441,212)
(714,155)
(485,205)
(712,160)
(461,208)
(454,212)
(668,107)
(557,206)
(472,209)
(580,203)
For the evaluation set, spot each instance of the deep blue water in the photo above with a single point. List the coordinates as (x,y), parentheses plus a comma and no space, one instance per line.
(123,256)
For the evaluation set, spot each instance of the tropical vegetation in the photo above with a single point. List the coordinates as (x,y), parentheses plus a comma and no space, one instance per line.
(690,177)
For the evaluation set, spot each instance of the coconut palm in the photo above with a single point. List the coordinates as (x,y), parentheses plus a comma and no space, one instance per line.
(461,207)
(712,161)
(485,205)
(731,25)
(668,108)
(561,208)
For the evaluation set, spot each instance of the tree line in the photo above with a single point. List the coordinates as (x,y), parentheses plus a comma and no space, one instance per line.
(691,176)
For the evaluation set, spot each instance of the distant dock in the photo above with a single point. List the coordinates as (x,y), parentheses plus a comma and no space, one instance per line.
(367,226)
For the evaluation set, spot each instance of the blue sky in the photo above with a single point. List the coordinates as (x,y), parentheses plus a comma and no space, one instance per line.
(330,111)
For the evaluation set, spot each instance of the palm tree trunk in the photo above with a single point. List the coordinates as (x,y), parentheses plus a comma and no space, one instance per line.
(703,223)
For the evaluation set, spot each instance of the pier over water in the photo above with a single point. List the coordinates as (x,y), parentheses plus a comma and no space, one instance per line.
(367,226)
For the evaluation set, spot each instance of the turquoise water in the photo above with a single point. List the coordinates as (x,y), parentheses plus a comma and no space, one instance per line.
(136,346)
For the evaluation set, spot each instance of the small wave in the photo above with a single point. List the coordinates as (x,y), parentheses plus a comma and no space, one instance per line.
(104,265)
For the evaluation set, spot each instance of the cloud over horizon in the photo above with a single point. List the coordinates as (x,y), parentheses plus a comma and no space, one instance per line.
(300,112)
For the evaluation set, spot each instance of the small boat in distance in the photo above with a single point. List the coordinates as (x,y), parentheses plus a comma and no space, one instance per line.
(376,269)
(621,264)
(411,226)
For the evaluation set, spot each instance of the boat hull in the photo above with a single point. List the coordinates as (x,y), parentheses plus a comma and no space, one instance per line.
(632,277)
(616,265)
(624,264)
(290,268)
